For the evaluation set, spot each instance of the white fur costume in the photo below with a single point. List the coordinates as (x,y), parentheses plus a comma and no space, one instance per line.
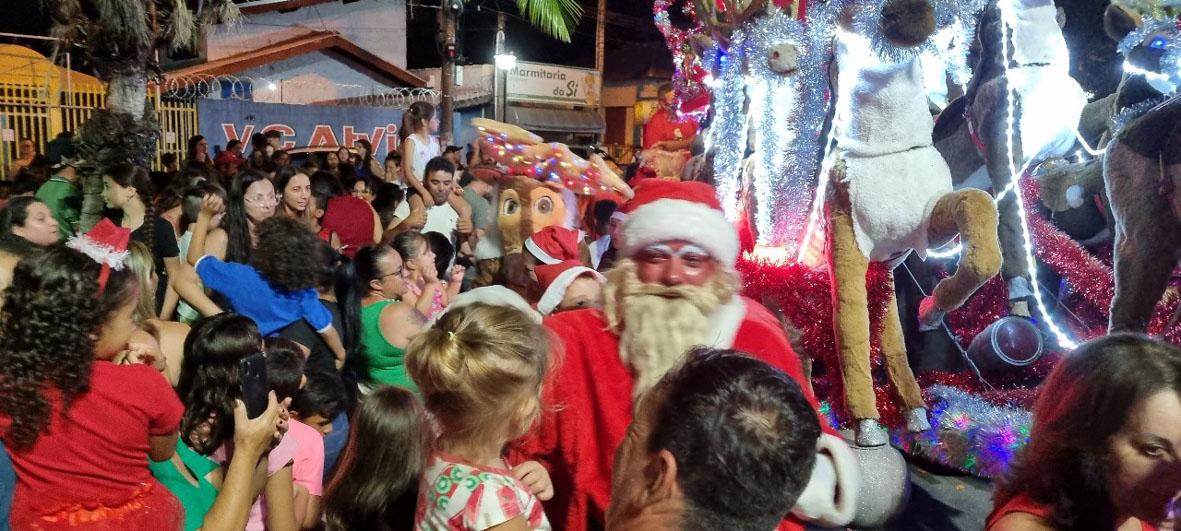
(893,174)
(1051,100)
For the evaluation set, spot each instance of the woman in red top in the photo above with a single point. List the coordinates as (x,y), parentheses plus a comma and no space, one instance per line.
(79,428)
(1105,448)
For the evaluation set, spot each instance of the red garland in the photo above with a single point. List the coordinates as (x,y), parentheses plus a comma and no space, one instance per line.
(804,296)
(1091,280)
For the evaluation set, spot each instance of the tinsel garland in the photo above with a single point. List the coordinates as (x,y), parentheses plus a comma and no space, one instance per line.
(1088,277)
(688,76)
(787,112)
(804,296)
(727,134)
(968,432)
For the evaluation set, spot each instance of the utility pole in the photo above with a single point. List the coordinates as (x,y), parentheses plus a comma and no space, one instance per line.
(449,13)
(600,34)
(500,79)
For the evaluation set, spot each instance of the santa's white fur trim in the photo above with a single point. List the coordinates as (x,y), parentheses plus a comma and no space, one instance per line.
(676,219)
(557,289)
(830,498)
(540,253)
(724,324)
(99,252)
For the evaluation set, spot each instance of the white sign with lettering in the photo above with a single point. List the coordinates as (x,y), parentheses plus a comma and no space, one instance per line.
(543,83)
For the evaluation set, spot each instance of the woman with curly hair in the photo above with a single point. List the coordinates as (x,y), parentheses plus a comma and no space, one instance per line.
(79,428)
(250,200)
(1105,447)
(276,290)
(211,389)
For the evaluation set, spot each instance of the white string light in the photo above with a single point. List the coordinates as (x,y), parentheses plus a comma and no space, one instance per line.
(1007,26)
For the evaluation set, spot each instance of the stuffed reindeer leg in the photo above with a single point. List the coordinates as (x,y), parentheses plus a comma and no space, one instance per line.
(850,300)
(971,214)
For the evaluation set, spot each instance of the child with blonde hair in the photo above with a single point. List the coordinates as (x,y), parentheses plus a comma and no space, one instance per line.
(480,370)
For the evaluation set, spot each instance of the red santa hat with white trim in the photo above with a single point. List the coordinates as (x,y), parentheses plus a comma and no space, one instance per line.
(554,244)
(555,279)
(671,210)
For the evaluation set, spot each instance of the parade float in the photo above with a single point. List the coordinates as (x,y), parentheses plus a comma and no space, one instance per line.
(821,137)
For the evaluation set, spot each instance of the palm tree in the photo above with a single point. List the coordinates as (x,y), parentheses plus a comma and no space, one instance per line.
(556,18)
(118,40)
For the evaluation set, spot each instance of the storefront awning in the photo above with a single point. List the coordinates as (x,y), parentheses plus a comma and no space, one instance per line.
(557,120)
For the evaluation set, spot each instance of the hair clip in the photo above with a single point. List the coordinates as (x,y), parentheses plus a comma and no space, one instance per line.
(450,335)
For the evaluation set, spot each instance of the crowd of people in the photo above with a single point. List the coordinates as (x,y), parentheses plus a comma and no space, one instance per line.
(620,382)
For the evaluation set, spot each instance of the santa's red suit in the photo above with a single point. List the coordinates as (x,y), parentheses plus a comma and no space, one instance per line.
(588,400)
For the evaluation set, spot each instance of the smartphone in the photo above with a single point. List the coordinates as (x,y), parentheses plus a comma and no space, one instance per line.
(253,370)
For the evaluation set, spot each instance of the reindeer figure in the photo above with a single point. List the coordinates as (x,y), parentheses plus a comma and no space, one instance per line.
(891,192)
(1142,166)
(1032,60)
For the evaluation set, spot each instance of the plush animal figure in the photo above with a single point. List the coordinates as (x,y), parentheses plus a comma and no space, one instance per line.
(1142,166)
(890,193)
(539,188)
(1137,172)
(973,133)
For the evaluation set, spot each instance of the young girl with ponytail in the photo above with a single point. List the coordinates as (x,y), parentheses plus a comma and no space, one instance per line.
(480,370)
(419,145)
(129,188)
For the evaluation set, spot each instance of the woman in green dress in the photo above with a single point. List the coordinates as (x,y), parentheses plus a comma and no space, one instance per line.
(387,325)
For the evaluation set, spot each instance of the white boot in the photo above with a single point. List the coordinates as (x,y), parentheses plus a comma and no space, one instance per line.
(869,433)
(916,420)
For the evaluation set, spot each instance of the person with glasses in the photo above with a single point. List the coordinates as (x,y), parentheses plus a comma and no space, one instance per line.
(387,324)
(251,200)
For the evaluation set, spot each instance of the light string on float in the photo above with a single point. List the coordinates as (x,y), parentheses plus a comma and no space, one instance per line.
(1008,28)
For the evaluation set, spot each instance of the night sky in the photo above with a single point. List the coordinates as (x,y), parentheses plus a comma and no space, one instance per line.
(632,40)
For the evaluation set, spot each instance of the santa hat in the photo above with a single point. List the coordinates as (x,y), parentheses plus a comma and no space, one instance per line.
(554,244)
(671,210)
(106,244)
(555,279)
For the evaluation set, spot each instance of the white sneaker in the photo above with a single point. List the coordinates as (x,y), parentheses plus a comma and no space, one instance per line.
(916,420)
(869,433)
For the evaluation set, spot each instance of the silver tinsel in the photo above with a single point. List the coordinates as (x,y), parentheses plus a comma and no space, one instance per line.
(787,111)
(727,133)
(1170,62)
(969,433)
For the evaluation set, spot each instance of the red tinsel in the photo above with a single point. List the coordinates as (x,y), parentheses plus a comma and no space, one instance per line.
(1090,278)
(804,295)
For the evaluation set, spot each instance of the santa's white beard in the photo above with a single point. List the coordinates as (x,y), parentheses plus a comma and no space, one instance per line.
(658,324)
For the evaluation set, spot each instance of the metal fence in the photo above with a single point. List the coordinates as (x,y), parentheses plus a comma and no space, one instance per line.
(40,99)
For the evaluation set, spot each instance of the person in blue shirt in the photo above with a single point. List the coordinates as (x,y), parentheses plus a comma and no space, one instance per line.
(277,289)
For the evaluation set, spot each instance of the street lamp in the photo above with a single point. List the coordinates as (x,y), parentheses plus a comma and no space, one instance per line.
(505,61)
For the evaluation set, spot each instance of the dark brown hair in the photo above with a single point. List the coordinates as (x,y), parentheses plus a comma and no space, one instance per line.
(376,484)
(1084,402)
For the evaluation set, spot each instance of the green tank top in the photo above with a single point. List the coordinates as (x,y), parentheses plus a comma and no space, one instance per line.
(196,499)
(386,362)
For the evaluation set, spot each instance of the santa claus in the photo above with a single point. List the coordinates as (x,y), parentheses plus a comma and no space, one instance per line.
(673,288)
